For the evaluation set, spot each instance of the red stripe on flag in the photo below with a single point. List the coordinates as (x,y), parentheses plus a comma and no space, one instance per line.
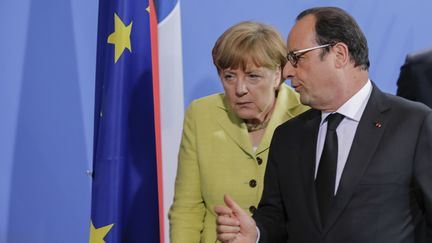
(156,99)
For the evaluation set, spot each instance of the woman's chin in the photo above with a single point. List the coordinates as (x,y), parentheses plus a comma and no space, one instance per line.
(245,115)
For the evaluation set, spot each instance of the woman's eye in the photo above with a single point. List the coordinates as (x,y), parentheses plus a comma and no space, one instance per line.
(228,76)
(254,77)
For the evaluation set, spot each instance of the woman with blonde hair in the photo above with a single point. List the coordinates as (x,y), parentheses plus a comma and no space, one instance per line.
(226,136)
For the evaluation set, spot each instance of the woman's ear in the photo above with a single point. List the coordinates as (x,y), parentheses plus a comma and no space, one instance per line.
(278,78)
(342,54)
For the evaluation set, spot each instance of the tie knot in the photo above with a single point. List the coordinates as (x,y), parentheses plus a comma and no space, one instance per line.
(333,121)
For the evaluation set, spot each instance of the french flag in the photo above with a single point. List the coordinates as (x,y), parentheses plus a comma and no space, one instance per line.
(138,120)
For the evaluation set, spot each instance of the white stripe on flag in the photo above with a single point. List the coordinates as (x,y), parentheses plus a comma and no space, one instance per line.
(171,101)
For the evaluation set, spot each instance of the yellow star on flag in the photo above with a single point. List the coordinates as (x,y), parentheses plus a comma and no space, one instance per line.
(120,37)
(98,235)
(148,9)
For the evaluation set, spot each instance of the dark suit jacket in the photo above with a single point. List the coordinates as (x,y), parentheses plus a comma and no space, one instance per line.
(415,79)
(385,187)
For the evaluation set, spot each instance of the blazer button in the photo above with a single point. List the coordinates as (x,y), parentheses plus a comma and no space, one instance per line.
(259,160)
(252,209)
(252,183)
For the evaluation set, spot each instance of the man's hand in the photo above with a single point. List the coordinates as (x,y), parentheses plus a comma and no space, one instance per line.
(234,225)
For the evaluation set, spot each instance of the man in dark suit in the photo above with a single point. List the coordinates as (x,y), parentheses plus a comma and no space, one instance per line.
(415,78)
(357,168)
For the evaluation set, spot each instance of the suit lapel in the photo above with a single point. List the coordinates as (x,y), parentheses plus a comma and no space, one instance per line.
(368,135)
(307,163)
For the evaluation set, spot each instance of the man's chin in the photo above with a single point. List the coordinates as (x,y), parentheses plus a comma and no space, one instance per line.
(304,100)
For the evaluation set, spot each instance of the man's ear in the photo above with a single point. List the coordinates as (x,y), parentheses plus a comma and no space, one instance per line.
(342,57)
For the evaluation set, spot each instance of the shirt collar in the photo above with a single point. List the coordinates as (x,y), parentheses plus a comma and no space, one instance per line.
(354,107)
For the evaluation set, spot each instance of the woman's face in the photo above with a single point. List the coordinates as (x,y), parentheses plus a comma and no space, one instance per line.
(251,92)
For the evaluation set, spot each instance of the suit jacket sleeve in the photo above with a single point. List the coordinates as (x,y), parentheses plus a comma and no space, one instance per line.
(407,85)
(270,216)
(187,212)
(415,80)
(423,171)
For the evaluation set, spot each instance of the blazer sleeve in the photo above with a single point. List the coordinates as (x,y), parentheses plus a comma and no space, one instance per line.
(423,171)
(270,216)
(187,211)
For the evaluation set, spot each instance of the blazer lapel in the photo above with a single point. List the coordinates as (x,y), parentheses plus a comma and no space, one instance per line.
(307,164)
(234,128)
(285,107)
(368,135)
(281,113)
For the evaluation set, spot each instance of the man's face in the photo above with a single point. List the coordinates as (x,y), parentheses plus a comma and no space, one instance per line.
(314,77)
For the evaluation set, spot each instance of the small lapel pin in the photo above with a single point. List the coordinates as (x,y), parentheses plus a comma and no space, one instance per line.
(378,124)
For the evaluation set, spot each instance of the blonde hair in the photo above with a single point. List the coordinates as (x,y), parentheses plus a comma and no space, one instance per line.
(249,41)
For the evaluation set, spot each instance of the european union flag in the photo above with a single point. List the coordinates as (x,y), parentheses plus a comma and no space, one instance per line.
(126,132)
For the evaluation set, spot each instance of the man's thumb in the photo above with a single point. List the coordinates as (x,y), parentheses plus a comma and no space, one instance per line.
(234,206)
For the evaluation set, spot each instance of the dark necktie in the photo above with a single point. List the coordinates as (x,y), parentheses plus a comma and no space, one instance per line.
(326,175)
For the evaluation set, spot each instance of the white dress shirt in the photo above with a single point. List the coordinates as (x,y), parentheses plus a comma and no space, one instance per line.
(353,111)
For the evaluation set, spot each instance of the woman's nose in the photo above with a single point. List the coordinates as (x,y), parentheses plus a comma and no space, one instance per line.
(241,88)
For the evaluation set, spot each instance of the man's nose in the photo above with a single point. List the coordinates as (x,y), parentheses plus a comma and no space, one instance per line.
(288,71)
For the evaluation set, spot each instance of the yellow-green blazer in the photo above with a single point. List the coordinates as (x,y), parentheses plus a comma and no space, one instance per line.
(216,157)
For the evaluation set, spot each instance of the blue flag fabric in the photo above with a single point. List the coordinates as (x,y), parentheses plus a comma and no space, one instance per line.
(125,189)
